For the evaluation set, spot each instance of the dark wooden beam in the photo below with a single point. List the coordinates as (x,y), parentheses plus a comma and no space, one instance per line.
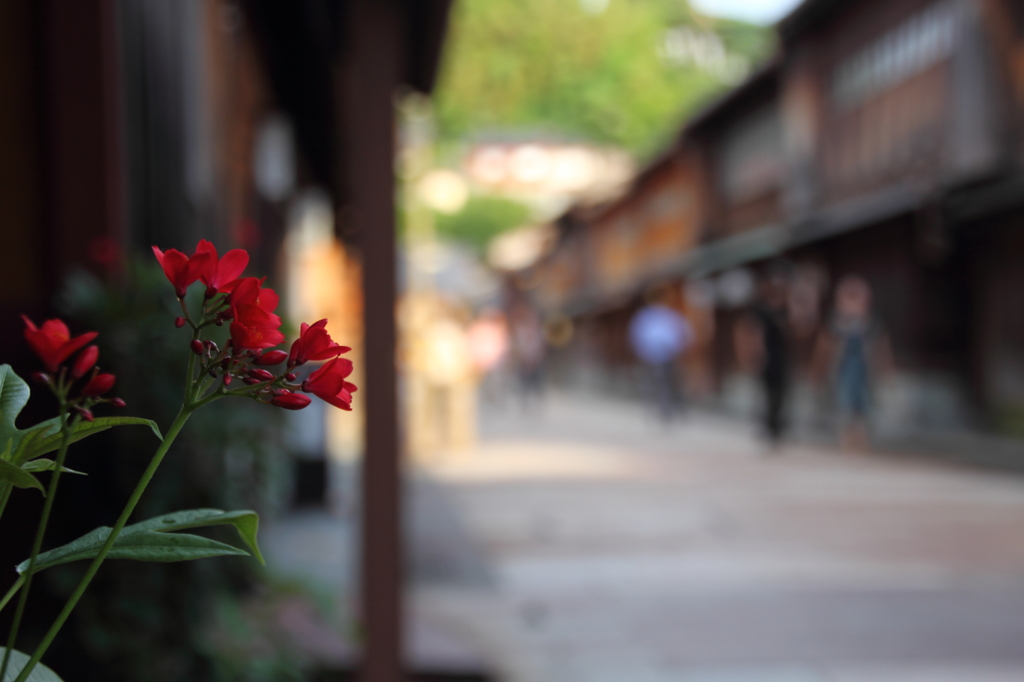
(372,72)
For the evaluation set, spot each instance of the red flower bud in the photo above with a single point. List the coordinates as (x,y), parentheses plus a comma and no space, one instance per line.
(272,357)
(117,402)
(261,374)
(85,361)
(197,347)
(250,381)
(99,385)
(179,322)
(290,401)
(41,378)
(227,379)
(290,376)
(86,414)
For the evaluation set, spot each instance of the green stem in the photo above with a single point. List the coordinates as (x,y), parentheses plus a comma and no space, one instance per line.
(4,496)
(65,439)
(207,399)
(172,433)
(242,392)
(204,386)
(10,592)
(190,382)
(184,312)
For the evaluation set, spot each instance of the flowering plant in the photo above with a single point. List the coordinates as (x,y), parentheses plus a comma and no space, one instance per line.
(263,373)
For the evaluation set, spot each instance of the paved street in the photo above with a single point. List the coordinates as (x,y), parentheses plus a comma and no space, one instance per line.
(609,548)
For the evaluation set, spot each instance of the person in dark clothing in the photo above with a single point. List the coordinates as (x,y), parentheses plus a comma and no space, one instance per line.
(774,368)
(770,350)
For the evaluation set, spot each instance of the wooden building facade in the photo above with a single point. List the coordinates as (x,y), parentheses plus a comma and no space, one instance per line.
(884,139)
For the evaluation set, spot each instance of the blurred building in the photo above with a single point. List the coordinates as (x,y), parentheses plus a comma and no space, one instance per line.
(548,176)
(126,123)
(886,139)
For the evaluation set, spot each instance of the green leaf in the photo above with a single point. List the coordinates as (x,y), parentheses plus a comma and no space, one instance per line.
(44,443)
(40,673)
(245,522)
(21,445)
(14,394)
(48,465)
(15,475)
(29,438)
(139,546)
(152,540)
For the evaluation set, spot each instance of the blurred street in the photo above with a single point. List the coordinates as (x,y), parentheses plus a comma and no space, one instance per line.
(501,243)
(617,549)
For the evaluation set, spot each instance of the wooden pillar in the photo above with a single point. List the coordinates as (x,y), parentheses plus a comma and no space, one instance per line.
(84,172)
(61,176)
(373,72)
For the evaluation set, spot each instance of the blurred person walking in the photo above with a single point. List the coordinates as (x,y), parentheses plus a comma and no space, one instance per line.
(440,379)
(528,350)
(488,342)
(763,344)
(856,348)
(659,335)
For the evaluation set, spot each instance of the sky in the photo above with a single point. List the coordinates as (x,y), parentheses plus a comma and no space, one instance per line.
(755,11)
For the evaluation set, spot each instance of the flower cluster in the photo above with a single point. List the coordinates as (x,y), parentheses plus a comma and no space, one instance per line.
(250,364)
(54,345)
(255,329)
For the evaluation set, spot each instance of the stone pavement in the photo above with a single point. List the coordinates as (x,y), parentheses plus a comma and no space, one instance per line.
(616,549)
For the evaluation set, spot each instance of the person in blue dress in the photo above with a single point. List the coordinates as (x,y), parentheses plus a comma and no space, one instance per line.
(857,349)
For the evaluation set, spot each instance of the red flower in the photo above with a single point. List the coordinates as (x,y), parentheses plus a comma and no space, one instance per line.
(84,362)
(255,338)
(314,343)
(253,305)
(328,383)
(52,342)
(221,273)
(255,325)
(181,270)
(98,385)
(290,401)
(105,252)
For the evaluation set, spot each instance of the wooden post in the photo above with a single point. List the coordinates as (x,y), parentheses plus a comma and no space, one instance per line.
(374,39)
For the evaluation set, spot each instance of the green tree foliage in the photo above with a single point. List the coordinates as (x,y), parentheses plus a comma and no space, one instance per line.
(480,219)
(550,65)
